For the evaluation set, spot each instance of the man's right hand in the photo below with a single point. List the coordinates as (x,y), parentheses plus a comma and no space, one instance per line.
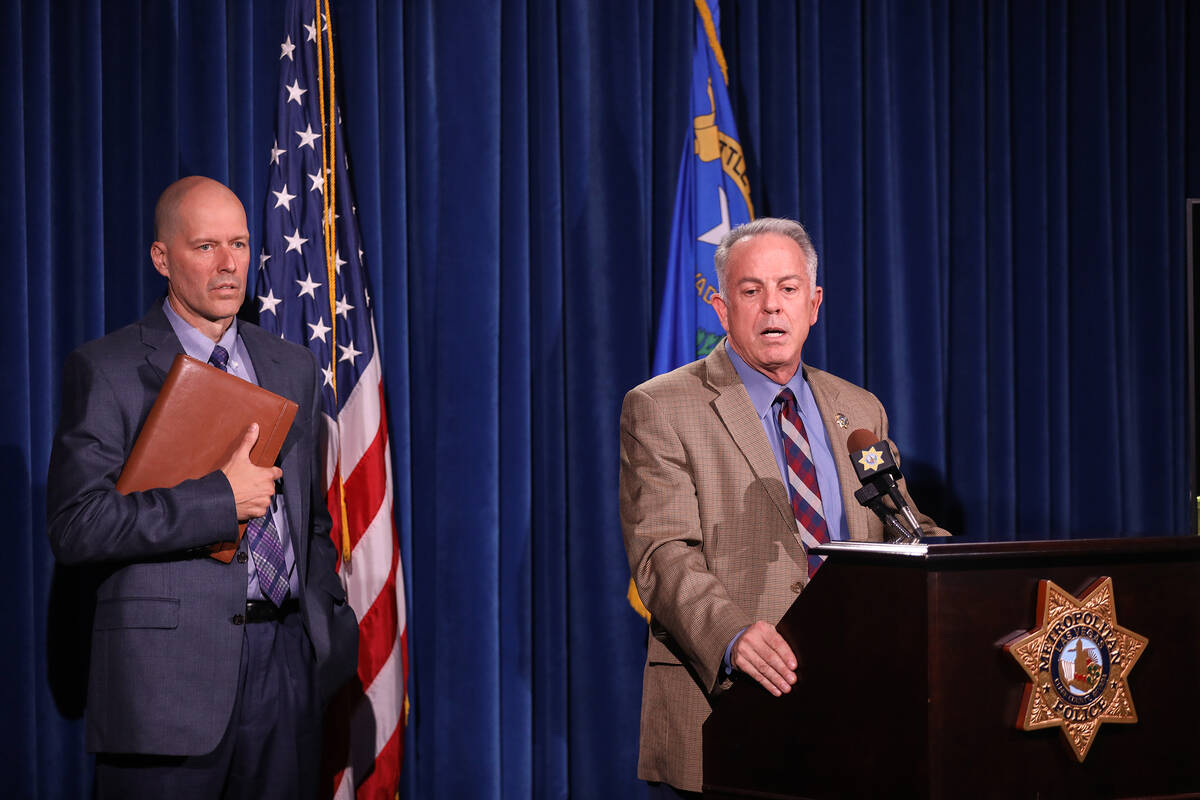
(252,486)
(761,653)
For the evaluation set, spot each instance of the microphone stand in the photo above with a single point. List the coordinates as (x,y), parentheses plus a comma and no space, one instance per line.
(878,471)
(870,496)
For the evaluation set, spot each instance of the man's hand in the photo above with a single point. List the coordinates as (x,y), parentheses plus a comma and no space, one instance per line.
(761,653)
(252,486)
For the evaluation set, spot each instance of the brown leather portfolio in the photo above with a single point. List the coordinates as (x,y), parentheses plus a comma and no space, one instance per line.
(197,422)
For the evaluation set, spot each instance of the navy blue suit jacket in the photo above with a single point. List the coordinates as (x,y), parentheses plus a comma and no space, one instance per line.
(165,646)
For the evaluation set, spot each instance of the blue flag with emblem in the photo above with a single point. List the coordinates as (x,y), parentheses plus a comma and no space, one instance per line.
(713,196)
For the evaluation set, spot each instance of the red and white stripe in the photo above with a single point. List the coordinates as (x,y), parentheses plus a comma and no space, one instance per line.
(374,584)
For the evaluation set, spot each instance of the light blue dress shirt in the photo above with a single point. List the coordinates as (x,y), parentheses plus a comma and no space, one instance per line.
(763,391)
(200,347)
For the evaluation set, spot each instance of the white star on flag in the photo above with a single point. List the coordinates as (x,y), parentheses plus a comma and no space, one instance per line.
(343,307)
(294,241)
(286,49)
(716,234)
(312,31)
(307,286)
(348,352)
(269,302)
(263,258)
(283,198)
(307,137)
(295,92)
(276,152)
(318,330)
(318,183)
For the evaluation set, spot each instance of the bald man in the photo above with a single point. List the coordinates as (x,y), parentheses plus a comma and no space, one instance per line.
(206,679)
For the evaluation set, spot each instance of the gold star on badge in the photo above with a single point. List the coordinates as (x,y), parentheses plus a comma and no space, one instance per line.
(871,458)
(1078,661)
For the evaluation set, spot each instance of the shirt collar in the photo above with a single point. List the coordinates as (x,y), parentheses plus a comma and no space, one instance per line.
(762,389)
(195,343)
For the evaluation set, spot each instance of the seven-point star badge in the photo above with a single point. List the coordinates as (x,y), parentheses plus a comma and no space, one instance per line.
(1078,659)
(871,458)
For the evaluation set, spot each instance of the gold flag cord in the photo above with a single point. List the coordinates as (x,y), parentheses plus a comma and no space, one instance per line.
(711,31)
(327,101)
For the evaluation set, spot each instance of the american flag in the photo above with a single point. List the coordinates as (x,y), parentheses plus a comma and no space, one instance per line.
(293,290)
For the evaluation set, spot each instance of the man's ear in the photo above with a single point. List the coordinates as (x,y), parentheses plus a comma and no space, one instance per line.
(158,256)
(817,296)
(718,304)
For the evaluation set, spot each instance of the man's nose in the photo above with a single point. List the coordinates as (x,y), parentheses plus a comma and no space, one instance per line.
(228,260)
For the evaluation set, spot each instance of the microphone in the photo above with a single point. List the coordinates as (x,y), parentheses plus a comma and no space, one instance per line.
(875,465)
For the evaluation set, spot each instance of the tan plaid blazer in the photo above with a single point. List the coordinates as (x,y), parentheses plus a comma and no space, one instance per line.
(710,535)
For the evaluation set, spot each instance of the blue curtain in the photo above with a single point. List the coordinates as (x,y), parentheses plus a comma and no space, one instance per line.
(996,190)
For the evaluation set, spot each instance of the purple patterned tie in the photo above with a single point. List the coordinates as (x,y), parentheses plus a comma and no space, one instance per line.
(802,480)
(261,531)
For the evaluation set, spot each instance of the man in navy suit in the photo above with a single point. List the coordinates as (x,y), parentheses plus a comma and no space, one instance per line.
(206,679)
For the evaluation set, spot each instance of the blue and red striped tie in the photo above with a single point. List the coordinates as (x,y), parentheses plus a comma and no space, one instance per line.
(802,480)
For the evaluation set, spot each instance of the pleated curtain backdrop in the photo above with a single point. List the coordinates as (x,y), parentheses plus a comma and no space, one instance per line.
(996,190)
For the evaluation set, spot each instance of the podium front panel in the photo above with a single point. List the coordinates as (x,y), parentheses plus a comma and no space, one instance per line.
(906,690)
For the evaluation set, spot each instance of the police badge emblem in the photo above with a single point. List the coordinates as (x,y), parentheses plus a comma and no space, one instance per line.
(1078,659)
(871,459)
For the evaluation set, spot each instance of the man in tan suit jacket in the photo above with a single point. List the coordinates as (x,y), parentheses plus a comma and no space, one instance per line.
(712,540)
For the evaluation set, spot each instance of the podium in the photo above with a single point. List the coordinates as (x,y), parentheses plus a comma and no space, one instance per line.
(905,689)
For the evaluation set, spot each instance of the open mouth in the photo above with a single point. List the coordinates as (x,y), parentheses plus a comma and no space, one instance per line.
(773,333)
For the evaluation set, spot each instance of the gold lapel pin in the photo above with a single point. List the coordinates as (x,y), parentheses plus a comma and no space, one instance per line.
(842,422)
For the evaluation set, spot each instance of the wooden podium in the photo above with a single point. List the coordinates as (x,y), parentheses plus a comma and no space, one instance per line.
(906,691)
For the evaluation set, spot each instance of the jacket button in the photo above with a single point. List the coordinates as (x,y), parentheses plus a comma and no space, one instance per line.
(238,619)
(797,586)
(242,558)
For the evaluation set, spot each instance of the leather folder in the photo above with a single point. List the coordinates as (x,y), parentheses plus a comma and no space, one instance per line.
(196,424)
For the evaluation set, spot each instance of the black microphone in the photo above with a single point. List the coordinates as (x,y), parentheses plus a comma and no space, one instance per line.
(875,465)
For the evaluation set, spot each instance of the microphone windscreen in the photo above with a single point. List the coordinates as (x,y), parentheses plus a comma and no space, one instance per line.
(871,457)
(861,439)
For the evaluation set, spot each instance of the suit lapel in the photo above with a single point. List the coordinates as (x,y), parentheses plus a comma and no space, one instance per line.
(162,345)
(736,411)
(272,375)
(829,403)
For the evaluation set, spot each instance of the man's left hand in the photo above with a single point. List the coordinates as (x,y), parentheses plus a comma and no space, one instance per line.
(761,653)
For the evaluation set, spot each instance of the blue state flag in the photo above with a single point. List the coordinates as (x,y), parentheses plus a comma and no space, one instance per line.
(713,196)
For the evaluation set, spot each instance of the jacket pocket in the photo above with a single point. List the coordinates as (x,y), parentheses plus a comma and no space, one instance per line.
(659,653)
(137,612)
